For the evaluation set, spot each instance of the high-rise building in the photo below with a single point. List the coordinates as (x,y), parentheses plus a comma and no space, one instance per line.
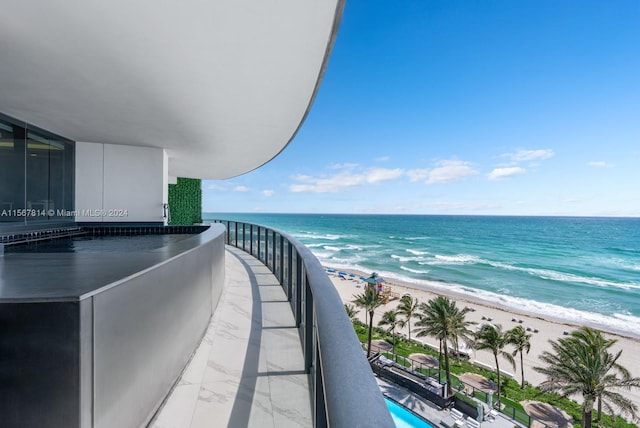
(103,105)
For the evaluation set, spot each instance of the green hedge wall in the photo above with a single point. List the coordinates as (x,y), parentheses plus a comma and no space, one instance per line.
(185,202)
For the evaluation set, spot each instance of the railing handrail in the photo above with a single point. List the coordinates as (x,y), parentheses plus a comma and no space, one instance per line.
(347,390)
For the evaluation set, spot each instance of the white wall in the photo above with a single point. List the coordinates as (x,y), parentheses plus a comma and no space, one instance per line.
(165,183)
(117,183)
(230,76)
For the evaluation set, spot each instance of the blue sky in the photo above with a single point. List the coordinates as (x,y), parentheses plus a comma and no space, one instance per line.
(465,107)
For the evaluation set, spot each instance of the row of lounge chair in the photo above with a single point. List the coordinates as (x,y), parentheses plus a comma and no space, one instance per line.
(459,420)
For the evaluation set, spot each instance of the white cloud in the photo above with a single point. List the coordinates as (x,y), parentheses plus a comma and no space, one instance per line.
(343,180)
(383,158)
(500,173)
(268,193)
(417,174)
(376,175)
(448,171)
(344,166)
(529,155)
(216,186)
(600,164)
(303,177)
(241,189)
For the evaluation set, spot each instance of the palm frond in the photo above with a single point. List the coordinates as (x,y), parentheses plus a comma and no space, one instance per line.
(582,364)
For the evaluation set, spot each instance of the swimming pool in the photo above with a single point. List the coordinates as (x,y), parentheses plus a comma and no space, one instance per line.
(403,417)
(98,244)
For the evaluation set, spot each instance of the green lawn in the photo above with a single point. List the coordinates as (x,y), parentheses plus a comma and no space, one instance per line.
(511,391)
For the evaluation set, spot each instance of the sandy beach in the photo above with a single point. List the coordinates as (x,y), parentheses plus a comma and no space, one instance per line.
(547,329)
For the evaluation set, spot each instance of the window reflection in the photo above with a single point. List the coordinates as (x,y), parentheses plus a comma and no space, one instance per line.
(37,174)
(12,176)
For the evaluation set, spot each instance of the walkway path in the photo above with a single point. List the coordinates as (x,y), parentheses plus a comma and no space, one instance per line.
(249,368)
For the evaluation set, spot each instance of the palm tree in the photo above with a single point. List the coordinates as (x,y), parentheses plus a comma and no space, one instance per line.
(408,308)
(390,319)
(492,337)
(352,312)
(442,319)
(519,338)
(369,301)
(582,363)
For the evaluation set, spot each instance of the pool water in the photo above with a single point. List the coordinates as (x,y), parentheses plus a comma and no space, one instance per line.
(403,418)
(98,244)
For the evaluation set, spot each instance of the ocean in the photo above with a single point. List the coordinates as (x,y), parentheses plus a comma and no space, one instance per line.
(578,269)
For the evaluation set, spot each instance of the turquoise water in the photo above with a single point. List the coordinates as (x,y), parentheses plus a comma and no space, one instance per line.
(583,270)
(404,418)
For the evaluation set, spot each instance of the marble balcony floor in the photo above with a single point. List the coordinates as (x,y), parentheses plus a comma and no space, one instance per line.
(249,369)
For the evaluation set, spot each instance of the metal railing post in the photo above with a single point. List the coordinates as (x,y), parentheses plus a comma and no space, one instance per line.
(266,247)
(298,301)
(251,239)
(243,238)
(235,227)
(289,272)
(281,277)
(320,410)
(308,326)
(274,253)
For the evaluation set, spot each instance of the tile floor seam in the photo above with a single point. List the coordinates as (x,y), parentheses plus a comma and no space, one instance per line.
(276,355)
(212,330)
(267,359)
(225,312)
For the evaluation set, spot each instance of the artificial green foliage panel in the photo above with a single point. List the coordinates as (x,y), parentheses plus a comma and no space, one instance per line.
(185,202)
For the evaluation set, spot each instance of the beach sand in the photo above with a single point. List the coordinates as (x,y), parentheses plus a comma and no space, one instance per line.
(548,329)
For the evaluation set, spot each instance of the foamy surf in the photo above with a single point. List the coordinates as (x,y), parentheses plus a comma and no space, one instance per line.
(623,324)
(583,270)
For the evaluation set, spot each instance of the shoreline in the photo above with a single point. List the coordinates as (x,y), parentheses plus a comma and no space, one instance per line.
(541,327)
(469,298)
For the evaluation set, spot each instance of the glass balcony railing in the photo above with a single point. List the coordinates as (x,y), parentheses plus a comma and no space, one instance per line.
(344,392)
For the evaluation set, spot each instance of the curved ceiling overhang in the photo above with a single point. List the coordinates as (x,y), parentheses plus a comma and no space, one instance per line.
(221,85)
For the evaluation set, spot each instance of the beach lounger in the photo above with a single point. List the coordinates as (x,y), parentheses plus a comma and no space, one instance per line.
(493,414)
(385,361)
(472,423)
(459,423)
(455,419)
(457,414)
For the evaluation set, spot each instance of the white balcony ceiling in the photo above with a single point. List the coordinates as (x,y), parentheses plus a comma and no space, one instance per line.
(222,85)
